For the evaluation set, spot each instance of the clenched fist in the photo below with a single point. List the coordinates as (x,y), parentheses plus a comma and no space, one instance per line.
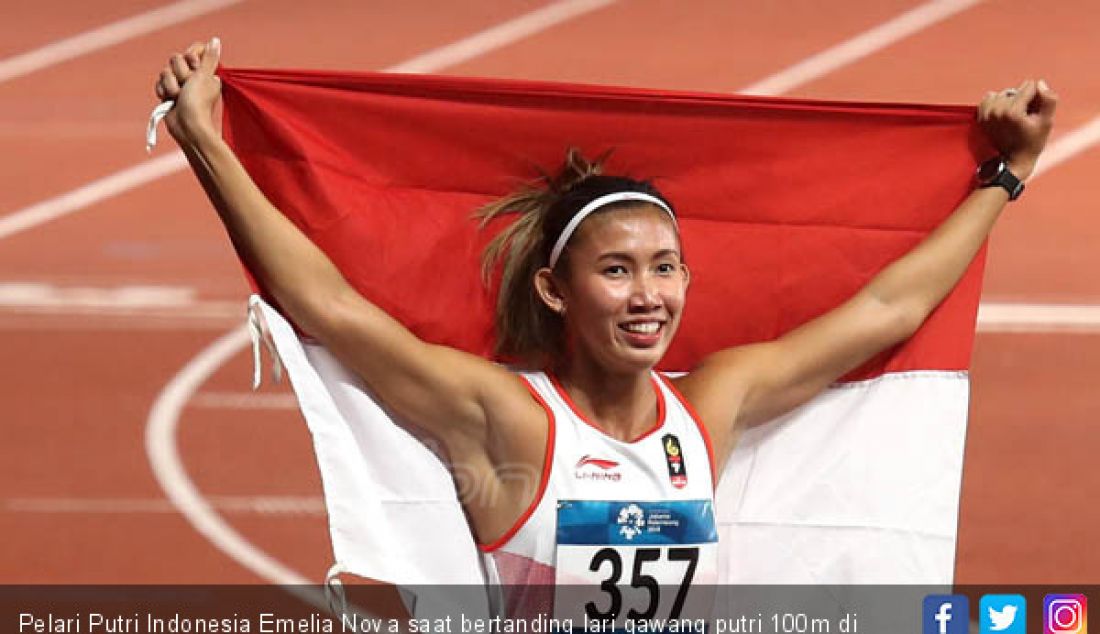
(189,80)
(1018,122)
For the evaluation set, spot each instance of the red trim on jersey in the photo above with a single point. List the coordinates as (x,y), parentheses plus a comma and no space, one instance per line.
(698,423)
(544,479)
(661,411)
(577,412)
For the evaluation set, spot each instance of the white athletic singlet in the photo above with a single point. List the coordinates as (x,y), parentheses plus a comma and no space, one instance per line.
(603,503)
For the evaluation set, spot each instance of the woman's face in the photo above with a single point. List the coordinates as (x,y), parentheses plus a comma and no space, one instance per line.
(625,288)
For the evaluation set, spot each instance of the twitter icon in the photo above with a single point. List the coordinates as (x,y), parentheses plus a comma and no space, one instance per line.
(1003,614)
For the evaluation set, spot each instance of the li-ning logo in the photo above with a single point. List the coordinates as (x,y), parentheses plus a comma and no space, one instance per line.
(604,469)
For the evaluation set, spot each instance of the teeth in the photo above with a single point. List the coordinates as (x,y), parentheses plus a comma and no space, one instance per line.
(647,328)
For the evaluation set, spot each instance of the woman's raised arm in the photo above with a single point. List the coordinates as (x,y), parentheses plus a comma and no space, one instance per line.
(449,393)
(751,384)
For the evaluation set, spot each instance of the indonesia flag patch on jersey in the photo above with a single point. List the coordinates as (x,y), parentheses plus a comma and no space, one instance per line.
(674,457)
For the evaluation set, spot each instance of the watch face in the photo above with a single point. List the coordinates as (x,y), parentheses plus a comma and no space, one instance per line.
(989,170)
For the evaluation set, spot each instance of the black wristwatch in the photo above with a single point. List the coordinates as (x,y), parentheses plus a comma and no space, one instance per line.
(995,173)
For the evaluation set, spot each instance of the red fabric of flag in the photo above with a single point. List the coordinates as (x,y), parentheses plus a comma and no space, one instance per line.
(786,207)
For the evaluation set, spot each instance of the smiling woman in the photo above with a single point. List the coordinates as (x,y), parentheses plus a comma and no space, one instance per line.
(592,293)
(625,274)
(587,249)
(590,463)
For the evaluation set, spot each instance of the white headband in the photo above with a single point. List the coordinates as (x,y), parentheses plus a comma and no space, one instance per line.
(602,201)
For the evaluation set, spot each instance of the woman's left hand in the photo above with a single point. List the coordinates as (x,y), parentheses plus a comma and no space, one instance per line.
(1018,122)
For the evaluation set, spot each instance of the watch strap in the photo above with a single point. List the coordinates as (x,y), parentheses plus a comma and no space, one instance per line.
(1004,177)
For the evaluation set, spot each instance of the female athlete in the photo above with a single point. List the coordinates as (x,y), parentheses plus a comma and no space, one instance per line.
(593,292)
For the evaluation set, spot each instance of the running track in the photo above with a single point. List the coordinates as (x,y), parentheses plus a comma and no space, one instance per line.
(103,307)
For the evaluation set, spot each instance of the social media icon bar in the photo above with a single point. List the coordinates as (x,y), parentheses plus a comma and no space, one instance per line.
(946,614)
(1065,614)
(1002,614)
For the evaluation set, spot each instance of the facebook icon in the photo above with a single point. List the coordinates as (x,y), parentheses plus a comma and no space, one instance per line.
(946,614)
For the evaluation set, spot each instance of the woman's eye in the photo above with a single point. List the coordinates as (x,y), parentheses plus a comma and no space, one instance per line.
(666,268)
(616,269)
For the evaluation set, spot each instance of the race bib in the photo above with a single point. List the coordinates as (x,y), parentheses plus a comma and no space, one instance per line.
(621,561)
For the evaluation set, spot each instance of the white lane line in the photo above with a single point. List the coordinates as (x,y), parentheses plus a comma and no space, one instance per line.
(220,312)
(90,194)
(1060,149)
(145,302)
(858,47)
(280,505)
(39,295)
(432,61)
(98,323)
(244,400)
(499,36)
(108,35)
(1068,146)
(1045,318)
(160,445)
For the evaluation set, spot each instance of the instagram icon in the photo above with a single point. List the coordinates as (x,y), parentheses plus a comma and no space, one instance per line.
(1065,614)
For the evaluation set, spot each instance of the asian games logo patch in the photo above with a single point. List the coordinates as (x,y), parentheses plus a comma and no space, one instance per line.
(631,521)
(674,457)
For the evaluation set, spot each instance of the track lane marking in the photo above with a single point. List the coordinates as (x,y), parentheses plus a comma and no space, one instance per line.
(92,193)
(168,469)
(41,295)
(1044,318)
(498,36)
(245,400)
(282,505)
(856,48)
(121,303)
(503,34)
(1067,146)
(108,35)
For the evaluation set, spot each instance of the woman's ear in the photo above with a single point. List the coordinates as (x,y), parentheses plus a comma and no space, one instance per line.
(686,272)
(547,288)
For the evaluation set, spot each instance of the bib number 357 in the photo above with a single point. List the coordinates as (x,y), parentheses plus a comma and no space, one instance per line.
(627,561)
(609,561)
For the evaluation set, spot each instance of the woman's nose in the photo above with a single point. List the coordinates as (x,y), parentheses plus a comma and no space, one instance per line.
(644,294)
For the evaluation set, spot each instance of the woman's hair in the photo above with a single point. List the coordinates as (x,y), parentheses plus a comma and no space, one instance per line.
(527,330)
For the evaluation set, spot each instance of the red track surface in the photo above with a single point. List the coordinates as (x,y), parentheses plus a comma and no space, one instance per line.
(77,389)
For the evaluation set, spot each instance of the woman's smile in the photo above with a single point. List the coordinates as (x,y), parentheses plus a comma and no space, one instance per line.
(643,334)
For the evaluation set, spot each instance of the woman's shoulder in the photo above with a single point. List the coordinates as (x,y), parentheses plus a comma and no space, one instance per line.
(518,392)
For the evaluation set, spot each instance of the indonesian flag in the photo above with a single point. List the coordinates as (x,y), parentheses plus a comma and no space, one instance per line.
(786,208)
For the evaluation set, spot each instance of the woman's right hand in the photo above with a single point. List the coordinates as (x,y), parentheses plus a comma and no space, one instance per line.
(189,79)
